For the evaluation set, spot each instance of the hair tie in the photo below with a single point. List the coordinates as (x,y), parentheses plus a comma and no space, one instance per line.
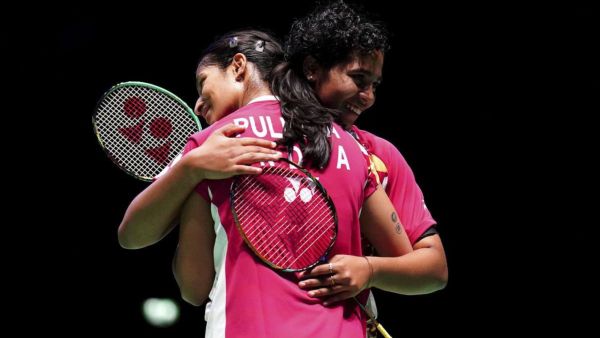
(259,46)
(233,42)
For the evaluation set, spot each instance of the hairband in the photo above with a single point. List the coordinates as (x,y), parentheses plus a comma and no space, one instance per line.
(259,46)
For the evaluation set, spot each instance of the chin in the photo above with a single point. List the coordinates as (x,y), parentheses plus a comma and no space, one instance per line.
(209,120)
(349,118)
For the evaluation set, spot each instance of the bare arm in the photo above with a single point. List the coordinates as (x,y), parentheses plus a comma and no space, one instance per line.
(401,270)
(352,274)
(380,224)
(193,263)
(422,271)
(418,270)
(154,212)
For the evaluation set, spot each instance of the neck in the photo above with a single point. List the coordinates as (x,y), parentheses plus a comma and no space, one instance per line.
(252,94)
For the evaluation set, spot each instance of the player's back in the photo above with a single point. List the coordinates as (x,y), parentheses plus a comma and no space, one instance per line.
(249,298)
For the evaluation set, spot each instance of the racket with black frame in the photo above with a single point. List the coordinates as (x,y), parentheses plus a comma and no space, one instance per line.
(143,127)
(286,218)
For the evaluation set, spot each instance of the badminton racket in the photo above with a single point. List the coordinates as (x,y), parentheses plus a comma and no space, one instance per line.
(143,127)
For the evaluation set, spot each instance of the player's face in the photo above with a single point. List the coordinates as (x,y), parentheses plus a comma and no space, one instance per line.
(219,93)
(350,86)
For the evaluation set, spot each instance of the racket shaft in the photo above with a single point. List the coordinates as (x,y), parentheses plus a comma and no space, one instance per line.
(377,324)
(383,332)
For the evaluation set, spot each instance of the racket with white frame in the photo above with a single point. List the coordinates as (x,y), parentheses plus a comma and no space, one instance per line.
(143,127)
(287,218)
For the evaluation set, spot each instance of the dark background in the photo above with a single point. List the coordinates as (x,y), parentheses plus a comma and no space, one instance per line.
(464,92)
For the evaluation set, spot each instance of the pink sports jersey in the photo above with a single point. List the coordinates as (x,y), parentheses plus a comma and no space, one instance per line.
(399,183)
(248,298)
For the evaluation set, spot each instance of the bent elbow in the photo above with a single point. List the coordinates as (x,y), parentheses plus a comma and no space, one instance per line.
(441,283)
(125,240)
(193,298)
(436,280)
(441,280)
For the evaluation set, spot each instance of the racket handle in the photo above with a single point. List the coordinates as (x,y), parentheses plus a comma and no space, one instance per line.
(379,327)
(383,331)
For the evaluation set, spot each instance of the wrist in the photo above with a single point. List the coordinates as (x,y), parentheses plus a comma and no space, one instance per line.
(188,171)
(370,281)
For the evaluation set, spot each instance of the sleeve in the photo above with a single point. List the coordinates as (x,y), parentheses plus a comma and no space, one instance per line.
(405,194)
(202,187)
(372,178)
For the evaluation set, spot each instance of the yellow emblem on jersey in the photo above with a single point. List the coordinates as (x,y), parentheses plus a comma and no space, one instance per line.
(376,166)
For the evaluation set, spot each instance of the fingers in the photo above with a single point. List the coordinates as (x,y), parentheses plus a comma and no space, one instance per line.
(243,162)
(333,281)
(319,270)
(230,130)
(263,150)
(251,141)
(332,294)
(337,298)
(254,157)
(246,170)
(340,279)
(322,292)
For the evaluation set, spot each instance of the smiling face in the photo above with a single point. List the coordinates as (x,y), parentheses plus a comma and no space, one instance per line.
(350,86)
(219,92)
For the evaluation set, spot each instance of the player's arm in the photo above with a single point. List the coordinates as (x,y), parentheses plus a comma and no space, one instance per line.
(193,265)
(400,269)
(416,272)
(352,274)
(426,267)
(154,212)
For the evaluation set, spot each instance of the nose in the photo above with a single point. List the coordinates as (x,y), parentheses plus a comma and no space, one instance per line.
(198,106)
(367,96)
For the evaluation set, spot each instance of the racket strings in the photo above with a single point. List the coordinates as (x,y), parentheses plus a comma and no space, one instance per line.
(133,121)
(299,221)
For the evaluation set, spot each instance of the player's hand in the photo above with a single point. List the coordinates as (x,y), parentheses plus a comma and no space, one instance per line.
(343,277)
(223,155)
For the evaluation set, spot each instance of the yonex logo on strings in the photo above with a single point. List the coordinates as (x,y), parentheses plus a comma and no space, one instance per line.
(160,128)
(291,193)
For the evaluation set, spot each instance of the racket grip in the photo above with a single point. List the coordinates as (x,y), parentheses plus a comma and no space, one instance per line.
(383,332)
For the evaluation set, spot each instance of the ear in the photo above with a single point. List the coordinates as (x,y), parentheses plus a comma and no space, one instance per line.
(239,65)
(310,67)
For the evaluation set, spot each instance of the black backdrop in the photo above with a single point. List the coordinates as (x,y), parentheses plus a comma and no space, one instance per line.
(456,79)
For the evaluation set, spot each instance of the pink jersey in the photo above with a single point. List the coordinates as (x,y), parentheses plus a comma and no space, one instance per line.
(399,183)
(248,298)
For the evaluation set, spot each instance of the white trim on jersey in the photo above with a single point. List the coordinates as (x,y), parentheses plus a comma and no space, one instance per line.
(214,313)
(263,98)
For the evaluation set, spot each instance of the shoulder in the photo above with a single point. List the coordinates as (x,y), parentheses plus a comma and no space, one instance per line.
(199,137)
(348,137)
(259,107)
(373,140)
(379,146)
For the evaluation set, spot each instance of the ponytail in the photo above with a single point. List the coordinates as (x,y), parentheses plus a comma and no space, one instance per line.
(307,122)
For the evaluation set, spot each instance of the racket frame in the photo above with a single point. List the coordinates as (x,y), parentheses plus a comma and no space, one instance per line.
(136,84)
(327,198)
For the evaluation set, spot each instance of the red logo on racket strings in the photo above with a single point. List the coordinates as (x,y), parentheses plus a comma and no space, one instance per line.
(134,107)
(296,212)
(292,239)
(133,134)
(160,128)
